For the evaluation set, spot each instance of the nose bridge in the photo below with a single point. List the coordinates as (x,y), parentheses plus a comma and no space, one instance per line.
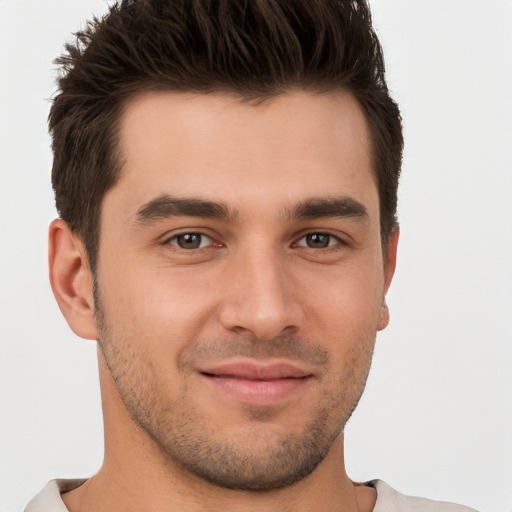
(259,293)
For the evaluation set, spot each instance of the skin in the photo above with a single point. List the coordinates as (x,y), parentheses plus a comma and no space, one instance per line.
(268,285)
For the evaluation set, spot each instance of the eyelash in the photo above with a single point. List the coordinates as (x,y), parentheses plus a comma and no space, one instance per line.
(337,240)
(175,238)
(331,237)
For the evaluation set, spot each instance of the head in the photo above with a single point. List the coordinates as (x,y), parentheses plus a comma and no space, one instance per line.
(228,171)
(254,50)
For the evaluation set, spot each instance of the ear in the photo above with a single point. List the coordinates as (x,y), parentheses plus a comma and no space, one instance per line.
(71,279)
(389,271)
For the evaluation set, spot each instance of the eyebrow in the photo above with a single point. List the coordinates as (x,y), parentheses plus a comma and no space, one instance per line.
(318,208)
(166,206)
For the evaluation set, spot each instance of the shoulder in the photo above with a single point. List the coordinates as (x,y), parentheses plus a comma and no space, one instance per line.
(49,500)
(389,500)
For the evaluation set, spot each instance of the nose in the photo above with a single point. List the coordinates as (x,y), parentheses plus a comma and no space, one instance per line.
(259,296)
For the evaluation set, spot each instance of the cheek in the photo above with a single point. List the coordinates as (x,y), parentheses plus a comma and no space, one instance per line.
(159,306)
(344,315)
(348,300)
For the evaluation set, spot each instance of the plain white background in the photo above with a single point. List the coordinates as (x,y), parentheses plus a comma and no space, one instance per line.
(436,419)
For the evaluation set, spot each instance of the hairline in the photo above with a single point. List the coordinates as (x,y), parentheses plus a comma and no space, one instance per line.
(257,99)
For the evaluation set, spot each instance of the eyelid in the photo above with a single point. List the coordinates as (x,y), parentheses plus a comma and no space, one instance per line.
(339,239)
(201,246)
(169,237)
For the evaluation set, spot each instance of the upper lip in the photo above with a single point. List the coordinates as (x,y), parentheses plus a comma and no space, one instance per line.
(257,370)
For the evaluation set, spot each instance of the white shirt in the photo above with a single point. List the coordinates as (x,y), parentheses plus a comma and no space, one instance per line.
(388,500)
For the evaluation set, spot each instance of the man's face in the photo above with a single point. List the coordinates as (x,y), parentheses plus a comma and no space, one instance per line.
(241,279)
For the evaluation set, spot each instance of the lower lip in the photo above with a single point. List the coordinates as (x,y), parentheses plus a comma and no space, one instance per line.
(259,392)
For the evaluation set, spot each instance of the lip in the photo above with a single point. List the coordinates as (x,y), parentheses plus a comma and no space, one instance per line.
(258,383)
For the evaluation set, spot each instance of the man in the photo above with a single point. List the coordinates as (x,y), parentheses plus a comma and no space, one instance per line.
(226,176)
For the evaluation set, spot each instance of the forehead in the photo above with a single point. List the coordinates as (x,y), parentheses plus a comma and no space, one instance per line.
(218,147)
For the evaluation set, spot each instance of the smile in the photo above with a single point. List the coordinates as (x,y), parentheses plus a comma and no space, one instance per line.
(258,384)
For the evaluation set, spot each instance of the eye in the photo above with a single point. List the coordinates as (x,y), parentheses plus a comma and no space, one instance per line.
(190,241)
(318,241)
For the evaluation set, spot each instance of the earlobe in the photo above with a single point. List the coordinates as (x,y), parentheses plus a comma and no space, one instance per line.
(389,271)
(71,279)
(384,316)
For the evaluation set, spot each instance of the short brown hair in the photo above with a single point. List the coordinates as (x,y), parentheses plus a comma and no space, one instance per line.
(256,49)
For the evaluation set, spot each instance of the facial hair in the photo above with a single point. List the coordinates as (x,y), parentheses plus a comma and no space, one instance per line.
(264,459)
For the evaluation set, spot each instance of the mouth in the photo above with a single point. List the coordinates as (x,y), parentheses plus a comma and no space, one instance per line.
(258,383)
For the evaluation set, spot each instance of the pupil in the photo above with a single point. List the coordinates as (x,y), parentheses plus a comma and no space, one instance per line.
(318,240)
(189,241)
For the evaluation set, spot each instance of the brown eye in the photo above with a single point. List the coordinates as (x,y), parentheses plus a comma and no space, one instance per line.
(191,241)
(318,240)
